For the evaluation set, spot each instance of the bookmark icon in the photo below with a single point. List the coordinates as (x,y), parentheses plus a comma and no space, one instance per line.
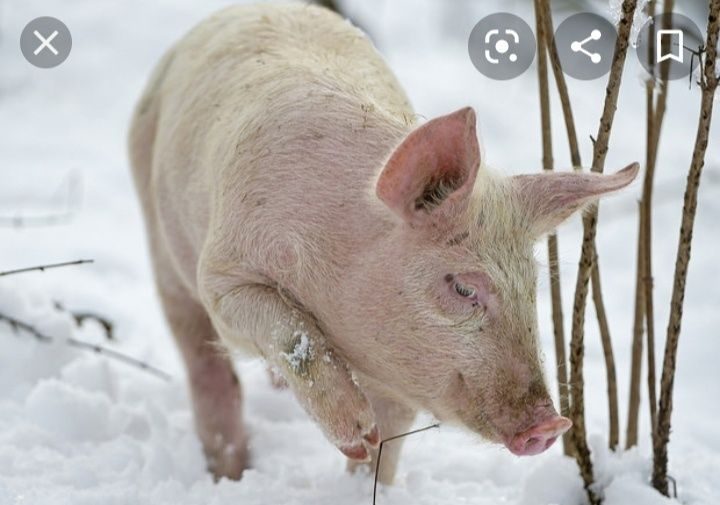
(672,48)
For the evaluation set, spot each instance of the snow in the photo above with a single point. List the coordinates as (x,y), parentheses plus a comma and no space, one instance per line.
(639,18)
(301,352)
(77,428)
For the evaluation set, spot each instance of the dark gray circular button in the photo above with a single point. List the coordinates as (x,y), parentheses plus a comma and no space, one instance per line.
(673,38)
(585,44)
(46,42)
(501,46)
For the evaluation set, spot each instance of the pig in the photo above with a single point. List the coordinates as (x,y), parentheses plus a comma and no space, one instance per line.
(296,210)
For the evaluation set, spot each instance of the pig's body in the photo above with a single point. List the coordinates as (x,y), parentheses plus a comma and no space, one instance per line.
(273,104)
(250,125)
(292,213)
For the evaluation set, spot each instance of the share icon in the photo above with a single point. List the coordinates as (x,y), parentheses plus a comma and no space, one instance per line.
(577,46)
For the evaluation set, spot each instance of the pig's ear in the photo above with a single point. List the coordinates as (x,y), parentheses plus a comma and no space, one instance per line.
(431,173)
(550,198)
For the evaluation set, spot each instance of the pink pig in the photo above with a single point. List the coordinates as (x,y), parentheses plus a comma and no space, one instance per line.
(296,211)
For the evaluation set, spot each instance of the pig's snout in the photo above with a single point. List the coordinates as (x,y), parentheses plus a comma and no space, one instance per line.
(539,436)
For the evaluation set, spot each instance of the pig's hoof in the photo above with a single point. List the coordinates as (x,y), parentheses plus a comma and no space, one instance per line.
(360,451)
(228,462)
(373,437)
(356,452)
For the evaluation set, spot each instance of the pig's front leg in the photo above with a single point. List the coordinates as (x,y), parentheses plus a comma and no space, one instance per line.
(292,343)
(393,418)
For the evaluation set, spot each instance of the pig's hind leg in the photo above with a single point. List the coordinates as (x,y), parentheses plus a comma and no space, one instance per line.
(214,386)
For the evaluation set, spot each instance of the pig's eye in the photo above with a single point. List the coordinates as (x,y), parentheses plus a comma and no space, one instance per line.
(464,291)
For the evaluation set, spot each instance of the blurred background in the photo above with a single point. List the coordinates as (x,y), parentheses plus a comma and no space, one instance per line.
(66,193)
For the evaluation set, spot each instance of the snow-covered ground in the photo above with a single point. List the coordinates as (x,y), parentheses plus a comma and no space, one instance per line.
(76,428)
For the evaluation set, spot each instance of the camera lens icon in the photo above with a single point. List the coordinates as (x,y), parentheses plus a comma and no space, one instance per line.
(501,46)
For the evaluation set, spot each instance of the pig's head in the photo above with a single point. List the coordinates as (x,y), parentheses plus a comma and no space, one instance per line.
(453,291)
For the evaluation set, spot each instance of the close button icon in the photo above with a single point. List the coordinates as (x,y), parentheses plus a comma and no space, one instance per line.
(45,42)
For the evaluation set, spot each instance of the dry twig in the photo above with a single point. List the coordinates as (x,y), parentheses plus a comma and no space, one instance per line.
(588,253)
(613,435)
(552,243)
(18,325)
(561,85)
(644,306)
(382,442)
(42,268)
(80,318)
(709,85)
(658,115)
(596,292)
(631,431)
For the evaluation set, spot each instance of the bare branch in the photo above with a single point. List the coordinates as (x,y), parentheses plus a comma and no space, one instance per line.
(382,442)
(577,163)
(552,242)
(18,325)
(631,431)
(644,307)
(654,128)
(613,415)
(561,85)
(588,253)
(42,268)
(710,83)
(81,317)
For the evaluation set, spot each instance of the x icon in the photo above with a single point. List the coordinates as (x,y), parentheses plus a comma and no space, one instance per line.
(45,42)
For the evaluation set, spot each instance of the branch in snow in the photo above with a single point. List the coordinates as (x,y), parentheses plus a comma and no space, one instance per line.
(42,268)
(709,86)
(81,317)
(604,328)
(18,325)
(588,255)
(543,28)
(377,463)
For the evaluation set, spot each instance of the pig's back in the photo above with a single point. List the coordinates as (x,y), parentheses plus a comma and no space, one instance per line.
(279,115)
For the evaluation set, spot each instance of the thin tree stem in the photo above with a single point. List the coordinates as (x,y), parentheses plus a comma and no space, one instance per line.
(588,256)
(561,84)
(613,415)
(577,164)
(18,325)
(631,432)
(709,85)
(566,106)
(552,242)
(646,210)
(42,268)
(655,113)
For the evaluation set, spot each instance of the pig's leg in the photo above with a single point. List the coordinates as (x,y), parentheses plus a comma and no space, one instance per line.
(294,346)
(214,387)
(393,418)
